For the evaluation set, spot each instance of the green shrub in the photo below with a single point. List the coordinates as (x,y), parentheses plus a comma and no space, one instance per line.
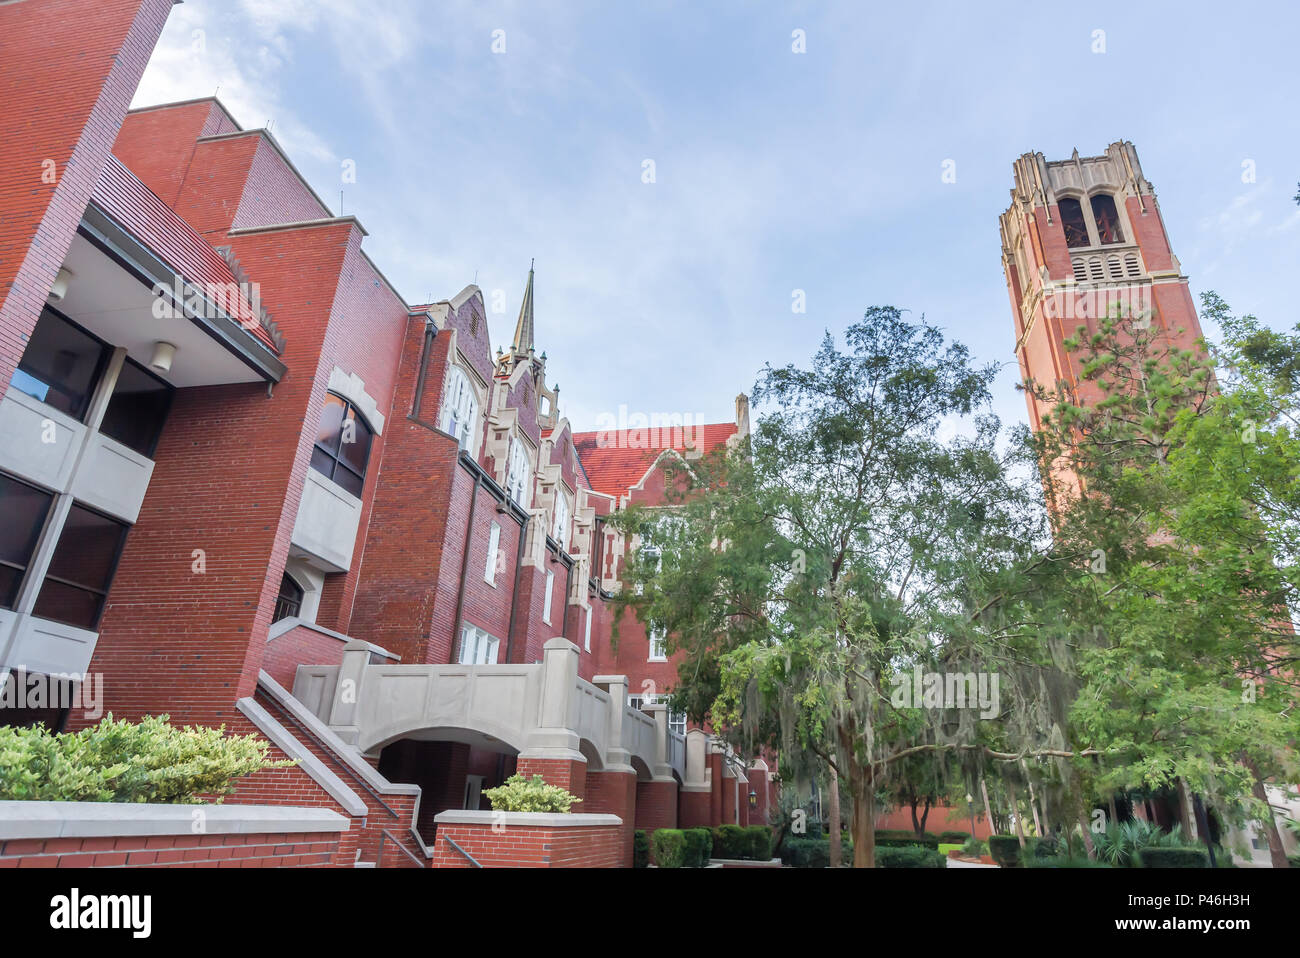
(1062,861)
(119,761)
(729,841)
(670,848)
(899,839)
(759,842)
(800,852)
(1045,847)
(520,794)
(915,857)
(699,844)
(974,848)
(953,838)
(1172,858)
(640,849)
(1005,850)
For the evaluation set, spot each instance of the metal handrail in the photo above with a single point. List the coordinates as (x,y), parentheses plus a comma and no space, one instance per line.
(379,855)
(468,857)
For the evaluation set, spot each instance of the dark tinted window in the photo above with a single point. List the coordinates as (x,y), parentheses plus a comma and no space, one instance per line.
(289,602)
(22,515)
(60,365)
(1072,221)
(1103,208)
(342,447)
(82,569)
(137,410)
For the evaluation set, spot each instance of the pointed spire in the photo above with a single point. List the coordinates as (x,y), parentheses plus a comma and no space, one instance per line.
(524,328)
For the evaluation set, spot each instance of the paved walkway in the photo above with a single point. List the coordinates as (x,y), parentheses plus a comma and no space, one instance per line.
(958,863)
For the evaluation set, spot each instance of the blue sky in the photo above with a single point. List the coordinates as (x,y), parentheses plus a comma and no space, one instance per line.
(774,171)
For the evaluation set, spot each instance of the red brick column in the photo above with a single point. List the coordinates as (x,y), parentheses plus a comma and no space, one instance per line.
(715,797)
(71,68)
(693,809)
(656,805)
(569,774)
(614,793)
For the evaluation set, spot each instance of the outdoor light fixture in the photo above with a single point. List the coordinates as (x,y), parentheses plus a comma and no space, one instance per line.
(753,799)
(163,354)
(60,287)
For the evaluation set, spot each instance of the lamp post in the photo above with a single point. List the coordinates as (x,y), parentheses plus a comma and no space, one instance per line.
(970,810)
(753,799)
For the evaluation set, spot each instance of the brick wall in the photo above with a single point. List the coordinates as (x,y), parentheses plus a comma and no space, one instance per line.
(299,646)
(70,70)
(517,846)
(269,850)
(614,793)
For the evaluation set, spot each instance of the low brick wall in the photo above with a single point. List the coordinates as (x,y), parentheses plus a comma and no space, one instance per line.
(528,840)
(106,834)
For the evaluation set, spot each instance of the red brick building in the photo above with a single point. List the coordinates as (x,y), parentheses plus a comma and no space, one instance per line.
(244,482)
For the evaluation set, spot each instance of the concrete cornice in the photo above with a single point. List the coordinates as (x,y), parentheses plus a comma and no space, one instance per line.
(102,819)
(525,819)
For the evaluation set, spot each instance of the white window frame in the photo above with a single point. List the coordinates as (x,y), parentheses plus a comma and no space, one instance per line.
(658,638)
(477,646)
(546,602)
(560,530)
(676,720)
(521,469)
(493,549)
(586,640)
(460,407)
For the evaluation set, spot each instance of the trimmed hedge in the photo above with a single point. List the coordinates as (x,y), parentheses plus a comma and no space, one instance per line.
(953,838)
(886,838)
(730,841)
(699,846)
(1060,861)
(812,852)
(640,849)
(670,848)
(759,840)
(1005,850)
(1172,858)
(914,857)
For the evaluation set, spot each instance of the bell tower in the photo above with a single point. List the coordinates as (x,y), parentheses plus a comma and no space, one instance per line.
(1083,238)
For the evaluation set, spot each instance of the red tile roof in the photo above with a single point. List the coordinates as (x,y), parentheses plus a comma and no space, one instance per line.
(616,459)
(136,208)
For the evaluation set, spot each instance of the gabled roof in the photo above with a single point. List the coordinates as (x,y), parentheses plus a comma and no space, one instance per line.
(615,460)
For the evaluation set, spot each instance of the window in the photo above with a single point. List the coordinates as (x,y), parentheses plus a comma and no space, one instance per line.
(1107,218)
(289,602)
(494,548)
(586,640)
(546,601)
(658,644)
(23,509)
(459,408)
(676,720)
(60,365)
(1072,221)
(137,409)
(477,647)
(561,531)
(517,484)
(342,447)
(81,571)
(473,791)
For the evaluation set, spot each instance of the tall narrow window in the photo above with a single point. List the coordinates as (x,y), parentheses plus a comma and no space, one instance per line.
(518,484)
(1107,217)
(61,365)
(23,509)
(546,602)
(493,551)
(1072,221)
(459,408)
(658,644)
(289,602)
(81,571)
(342,448)
(586,640)
(561,531)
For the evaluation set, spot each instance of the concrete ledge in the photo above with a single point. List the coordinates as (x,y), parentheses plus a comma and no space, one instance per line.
(525,819)
(124,819)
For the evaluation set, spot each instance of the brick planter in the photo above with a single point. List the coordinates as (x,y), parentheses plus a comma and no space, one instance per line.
(528,840)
